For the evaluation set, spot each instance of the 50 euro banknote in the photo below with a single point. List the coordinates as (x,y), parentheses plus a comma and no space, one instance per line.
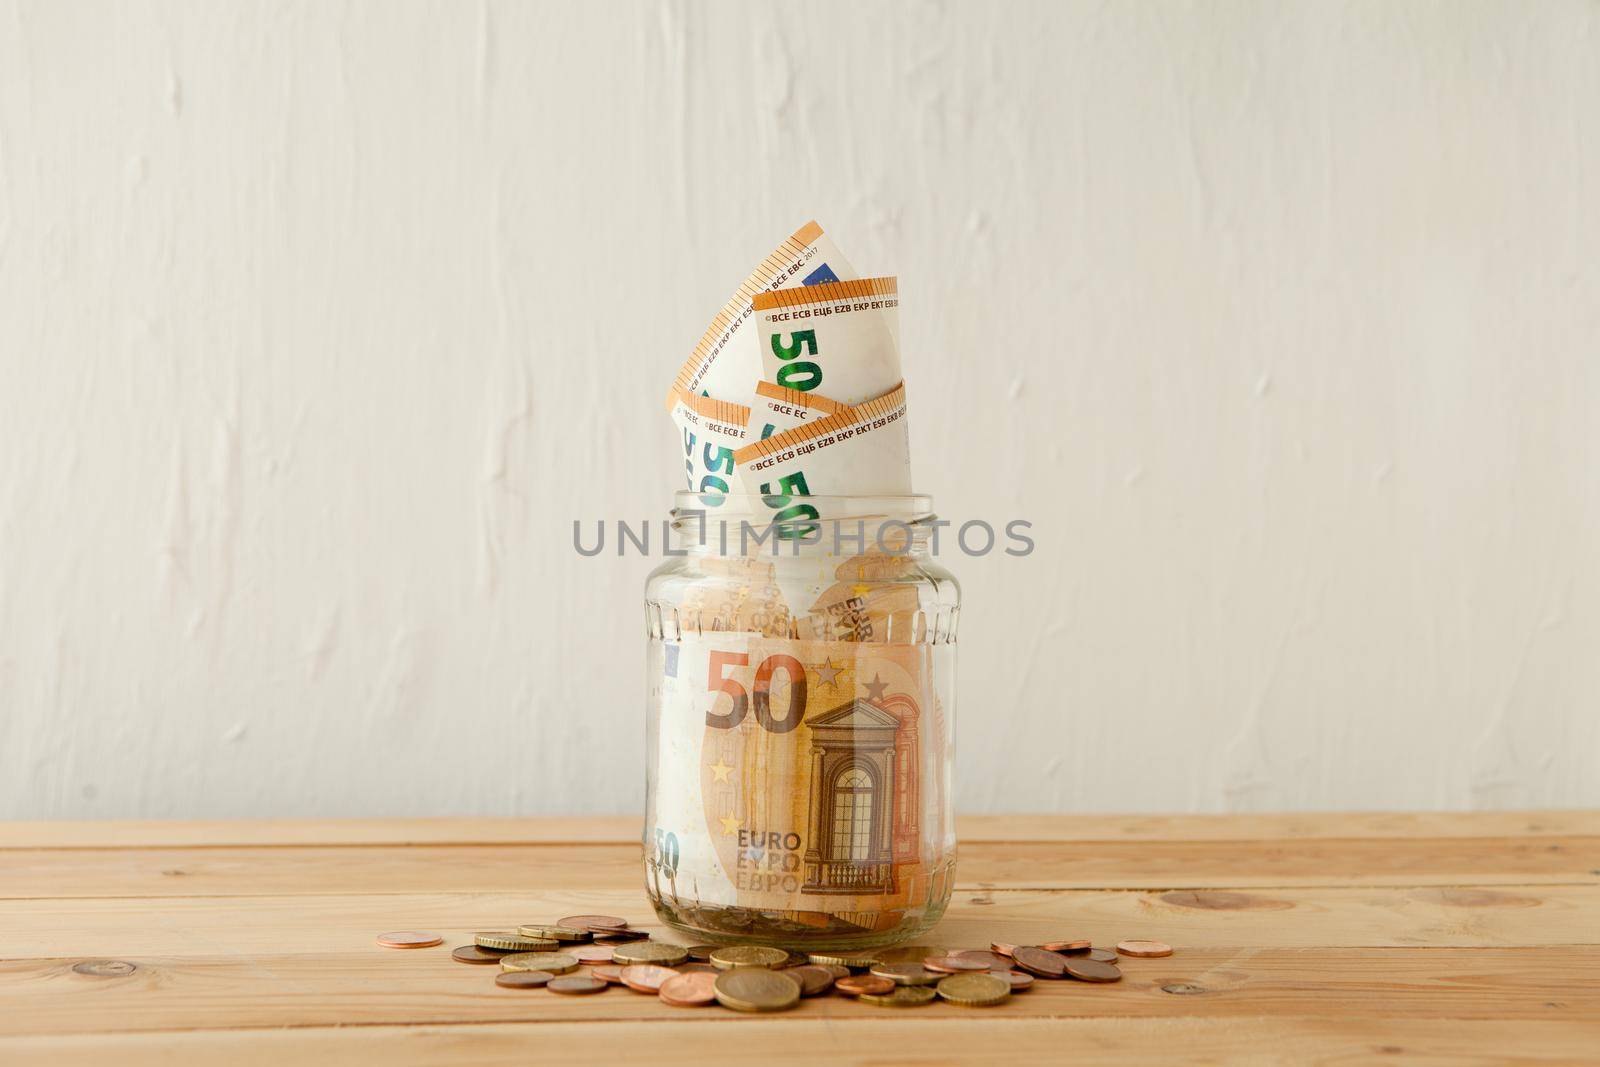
(840,340)
(725,363)
(711,431)
(801,777)
(775,409)
(860,451)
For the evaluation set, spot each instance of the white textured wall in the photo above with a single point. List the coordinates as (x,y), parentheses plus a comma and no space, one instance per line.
(319,323)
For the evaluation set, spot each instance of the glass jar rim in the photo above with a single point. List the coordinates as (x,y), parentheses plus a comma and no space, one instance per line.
(910,508)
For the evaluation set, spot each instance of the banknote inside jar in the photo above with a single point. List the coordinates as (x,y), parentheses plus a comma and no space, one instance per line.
(800,727)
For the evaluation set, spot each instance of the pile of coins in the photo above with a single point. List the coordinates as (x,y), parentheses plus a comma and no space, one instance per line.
(763,978)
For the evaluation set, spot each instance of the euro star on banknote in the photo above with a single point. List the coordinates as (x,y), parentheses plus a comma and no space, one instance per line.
(725,362)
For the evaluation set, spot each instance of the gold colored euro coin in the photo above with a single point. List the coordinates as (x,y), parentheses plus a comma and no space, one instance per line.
(554,933)
(906,996)
(732,957)
(974,990)
(656,952)
(756,989)
(853,960)
(549,962)
(506,941)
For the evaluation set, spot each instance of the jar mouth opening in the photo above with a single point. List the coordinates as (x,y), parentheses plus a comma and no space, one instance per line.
(805,524)
(911,508)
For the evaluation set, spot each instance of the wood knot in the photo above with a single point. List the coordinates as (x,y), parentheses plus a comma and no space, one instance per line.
(105,968)
(1183,989)
(1208,900)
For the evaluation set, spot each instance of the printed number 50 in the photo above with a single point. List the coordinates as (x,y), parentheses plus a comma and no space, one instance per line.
(795,373)
(719,682)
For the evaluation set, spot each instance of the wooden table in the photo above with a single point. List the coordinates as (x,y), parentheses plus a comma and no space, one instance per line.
(1301,939)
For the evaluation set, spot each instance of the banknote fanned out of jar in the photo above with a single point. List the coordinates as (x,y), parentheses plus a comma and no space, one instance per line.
(725,363)
(711,431)
(841,339)
(777,408)
(861,451)
(801,649)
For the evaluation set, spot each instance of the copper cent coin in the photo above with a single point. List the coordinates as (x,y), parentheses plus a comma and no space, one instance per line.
(1001,948)
(690,990)
(592,954)
(954,964)
(474,954)
(619,936)
(857,985)
(1086,970)
(646,977)
(1018,980)
(864,986)
(991,960)
(1145,949)
(834,969)
(814,979)
(593,922)
(409,939)
(576,985)
(701,953)
(1040,962)
(1066,948)
(607,972)
(1104,955)
(523,979)
(696,967)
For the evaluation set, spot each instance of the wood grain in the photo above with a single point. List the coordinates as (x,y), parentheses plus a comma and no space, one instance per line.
(860,1040)
(1418,939)
(1502,916)
(426,986)
(617,829)
(294,869)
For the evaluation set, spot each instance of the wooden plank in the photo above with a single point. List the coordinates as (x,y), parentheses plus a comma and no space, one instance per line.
(1018,865)
(626,828)
(1285,918)
(325,989)
(865,1040)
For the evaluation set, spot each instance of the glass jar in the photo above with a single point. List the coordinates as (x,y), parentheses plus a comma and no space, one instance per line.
(799,759)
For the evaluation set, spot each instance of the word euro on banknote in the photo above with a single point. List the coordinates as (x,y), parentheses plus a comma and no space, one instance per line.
(727,366)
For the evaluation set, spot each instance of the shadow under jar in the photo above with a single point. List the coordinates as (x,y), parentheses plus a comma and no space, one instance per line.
(800,722)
